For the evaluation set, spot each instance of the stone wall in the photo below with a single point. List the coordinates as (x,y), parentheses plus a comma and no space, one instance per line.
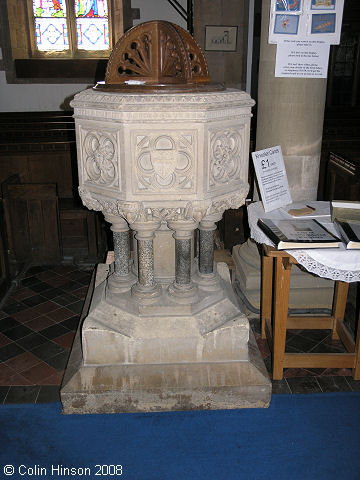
(224,67)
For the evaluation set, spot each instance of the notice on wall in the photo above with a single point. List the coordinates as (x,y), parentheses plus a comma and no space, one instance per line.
(302,59)
(306,20)
(272,178)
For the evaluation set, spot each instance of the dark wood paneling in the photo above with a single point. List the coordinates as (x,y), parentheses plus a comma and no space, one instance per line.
(53,168)
(343,177)
(32,223)
(61,68)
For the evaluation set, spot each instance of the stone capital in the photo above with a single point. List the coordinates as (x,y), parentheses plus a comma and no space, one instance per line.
(183,229)
(145,230)
(118,223)
(209,222)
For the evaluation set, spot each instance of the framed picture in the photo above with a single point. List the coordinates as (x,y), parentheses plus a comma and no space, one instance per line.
(323,4)
(323,23)
(286,24)
(220,38)
(288,6)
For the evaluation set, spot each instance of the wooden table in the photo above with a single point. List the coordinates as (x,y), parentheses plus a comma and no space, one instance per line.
(275,289)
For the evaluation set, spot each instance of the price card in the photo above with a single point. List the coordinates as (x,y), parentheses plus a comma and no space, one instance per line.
(272,178)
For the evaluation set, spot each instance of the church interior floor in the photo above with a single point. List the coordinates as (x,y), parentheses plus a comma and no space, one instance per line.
(39,318)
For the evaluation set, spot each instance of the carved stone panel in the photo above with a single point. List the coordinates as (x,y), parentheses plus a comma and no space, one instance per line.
(100,153)
(164,161)
(225,156)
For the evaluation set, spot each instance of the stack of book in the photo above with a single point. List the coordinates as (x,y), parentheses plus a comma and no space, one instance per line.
(289,234)
(346,217)
(309,233)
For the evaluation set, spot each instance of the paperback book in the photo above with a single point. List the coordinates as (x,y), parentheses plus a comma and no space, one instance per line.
(345,210)
(349,232)
(291,234)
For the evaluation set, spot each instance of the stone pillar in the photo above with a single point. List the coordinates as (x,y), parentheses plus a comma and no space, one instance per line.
(183,288)
(146,289)
(122,278)
(290,114)
(206,249)
(207,278)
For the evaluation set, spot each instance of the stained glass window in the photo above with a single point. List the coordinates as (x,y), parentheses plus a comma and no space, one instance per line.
(92,29)
(53,22)
(51,31)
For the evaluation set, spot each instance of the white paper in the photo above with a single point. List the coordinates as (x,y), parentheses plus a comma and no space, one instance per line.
(302,59)
(272,178)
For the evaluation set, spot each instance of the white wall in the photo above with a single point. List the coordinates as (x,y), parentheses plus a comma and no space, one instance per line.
(33,97)
(158,10)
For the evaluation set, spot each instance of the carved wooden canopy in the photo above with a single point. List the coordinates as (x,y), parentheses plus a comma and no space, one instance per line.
(156,54)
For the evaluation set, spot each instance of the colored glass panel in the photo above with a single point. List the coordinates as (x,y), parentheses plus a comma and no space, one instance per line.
(92,27)
(91,8)
(92,33)
(49,8)
(50,25)
(51,34)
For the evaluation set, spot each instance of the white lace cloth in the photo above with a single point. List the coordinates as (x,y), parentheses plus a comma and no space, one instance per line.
(333,263)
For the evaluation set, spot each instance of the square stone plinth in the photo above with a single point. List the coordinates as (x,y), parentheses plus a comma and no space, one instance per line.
(121,362)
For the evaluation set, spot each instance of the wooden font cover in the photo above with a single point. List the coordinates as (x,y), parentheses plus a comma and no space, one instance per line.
(157,55)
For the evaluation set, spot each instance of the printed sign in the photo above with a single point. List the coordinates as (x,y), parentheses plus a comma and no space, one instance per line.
(302,59)
(271,177)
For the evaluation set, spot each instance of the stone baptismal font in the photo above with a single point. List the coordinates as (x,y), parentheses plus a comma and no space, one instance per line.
(162,153)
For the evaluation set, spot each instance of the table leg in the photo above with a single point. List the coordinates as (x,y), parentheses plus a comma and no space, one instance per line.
(266,291)
(281,305)
(339,305)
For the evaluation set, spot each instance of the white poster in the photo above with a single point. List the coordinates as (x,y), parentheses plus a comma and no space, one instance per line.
(302,59)
(272,178)
(306,20)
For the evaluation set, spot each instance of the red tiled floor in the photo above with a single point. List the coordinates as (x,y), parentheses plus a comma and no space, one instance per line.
(22,293)
(45,276)
(45,308)
(80,292)
(23,362)
(8,376)
(5,372)
(66,340)
(346,372)
(57,281)
(40,323)
(60,314)
(34,311)
(263,346)
(55,379)
(298,372)
(38,372)
(4,340)
(25,315)
(64,269)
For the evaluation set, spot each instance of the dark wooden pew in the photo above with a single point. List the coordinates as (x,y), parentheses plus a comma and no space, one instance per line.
(40,149)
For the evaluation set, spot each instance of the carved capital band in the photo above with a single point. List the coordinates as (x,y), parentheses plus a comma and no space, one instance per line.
(139,212)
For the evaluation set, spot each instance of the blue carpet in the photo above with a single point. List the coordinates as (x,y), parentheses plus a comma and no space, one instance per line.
(297,437)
